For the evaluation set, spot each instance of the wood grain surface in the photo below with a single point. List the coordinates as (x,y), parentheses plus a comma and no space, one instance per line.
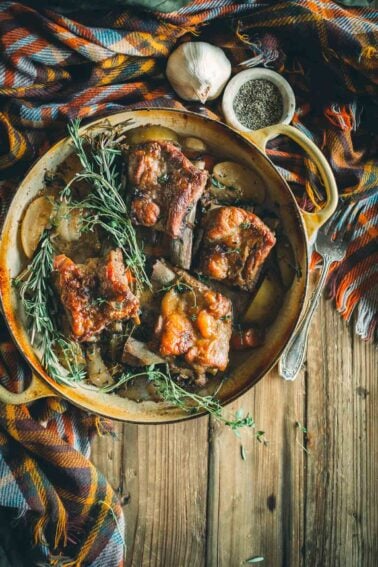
(303,499)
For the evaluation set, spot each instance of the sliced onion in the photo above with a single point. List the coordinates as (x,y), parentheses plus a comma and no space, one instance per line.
(35,221)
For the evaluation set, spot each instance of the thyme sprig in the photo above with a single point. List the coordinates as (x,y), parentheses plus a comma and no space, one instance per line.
(37,298)
(180,286)
(105,206)
(170,391)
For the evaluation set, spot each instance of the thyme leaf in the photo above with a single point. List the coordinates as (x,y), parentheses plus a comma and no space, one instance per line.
(300,427)
(303,430)
(180,286)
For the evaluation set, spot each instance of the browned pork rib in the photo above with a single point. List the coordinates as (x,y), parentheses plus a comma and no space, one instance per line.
(94,294)
(236,244)
(165,186)
(195,324)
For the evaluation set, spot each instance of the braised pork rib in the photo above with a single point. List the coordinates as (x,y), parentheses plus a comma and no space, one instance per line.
(236,244)
(165,186)
(195,324)
(94,294)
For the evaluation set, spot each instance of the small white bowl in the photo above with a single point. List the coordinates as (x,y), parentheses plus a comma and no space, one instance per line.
(233,87)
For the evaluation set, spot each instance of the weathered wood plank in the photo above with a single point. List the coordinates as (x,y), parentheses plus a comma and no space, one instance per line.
(255,505)
(161,473)
(107,456)
(341,479)
(325,497)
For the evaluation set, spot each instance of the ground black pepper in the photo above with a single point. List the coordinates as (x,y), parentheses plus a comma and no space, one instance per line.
(258,104)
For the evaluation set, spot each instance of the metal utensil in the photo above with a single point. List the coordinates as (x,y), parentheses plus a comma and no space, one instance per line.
(331,251)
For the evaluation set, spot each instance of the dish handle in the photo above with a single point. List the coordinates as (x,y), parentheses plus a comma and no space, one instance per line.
(37,389)
(313,221)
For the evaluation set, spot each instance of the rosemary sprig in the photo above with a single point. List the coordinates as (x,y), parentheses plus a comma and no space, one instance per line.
(37,299)
(105,206)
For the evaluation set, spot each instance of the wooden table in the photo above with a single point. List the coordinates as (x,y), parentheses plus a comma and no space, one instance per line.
(190,500)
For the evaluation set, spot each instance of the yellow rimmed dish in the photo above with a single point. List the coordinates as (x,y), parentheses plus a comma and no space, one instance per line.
(246,148)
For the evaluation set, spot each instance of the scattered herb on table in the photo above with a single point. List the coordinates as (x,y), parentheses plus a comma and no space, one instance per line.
(303,430)
(260,437)
(300,427)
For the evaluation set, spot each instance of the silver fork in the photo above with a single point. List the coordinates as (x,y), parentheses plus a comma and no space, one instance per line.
(331,251)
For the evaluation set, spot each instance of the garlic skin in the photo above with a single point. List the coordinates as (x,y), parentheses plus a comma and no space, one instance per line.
(198,71)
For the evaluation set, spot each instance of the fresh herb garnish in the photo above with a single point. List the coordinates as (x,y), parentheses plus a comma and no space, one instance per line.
(170,391)
(98,301)
(203,279)
(37,298)
(104,206)
(232,251)
(163,178)
(181,287)
(260,437)
(300,427)
(219,185)
(303,430)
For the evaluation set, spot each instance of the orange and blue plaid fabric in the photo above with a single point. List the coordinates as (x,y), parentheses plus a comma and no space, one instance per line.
(56,67)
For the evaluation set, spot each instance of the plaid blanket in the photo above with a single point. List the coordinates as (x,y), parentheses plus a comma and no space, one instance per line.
(54,68)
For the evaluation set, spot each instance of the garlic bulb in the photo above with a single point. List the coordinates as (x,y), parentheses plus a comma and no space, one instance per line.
(198,71)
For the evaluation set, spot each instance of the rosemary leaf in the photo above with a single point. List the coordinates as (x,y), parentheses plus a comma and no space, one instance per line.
(105,206)
(37,298)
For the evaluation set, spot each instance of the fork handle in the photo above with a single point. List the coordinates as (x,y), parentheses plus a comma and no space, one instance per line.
(292,357)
